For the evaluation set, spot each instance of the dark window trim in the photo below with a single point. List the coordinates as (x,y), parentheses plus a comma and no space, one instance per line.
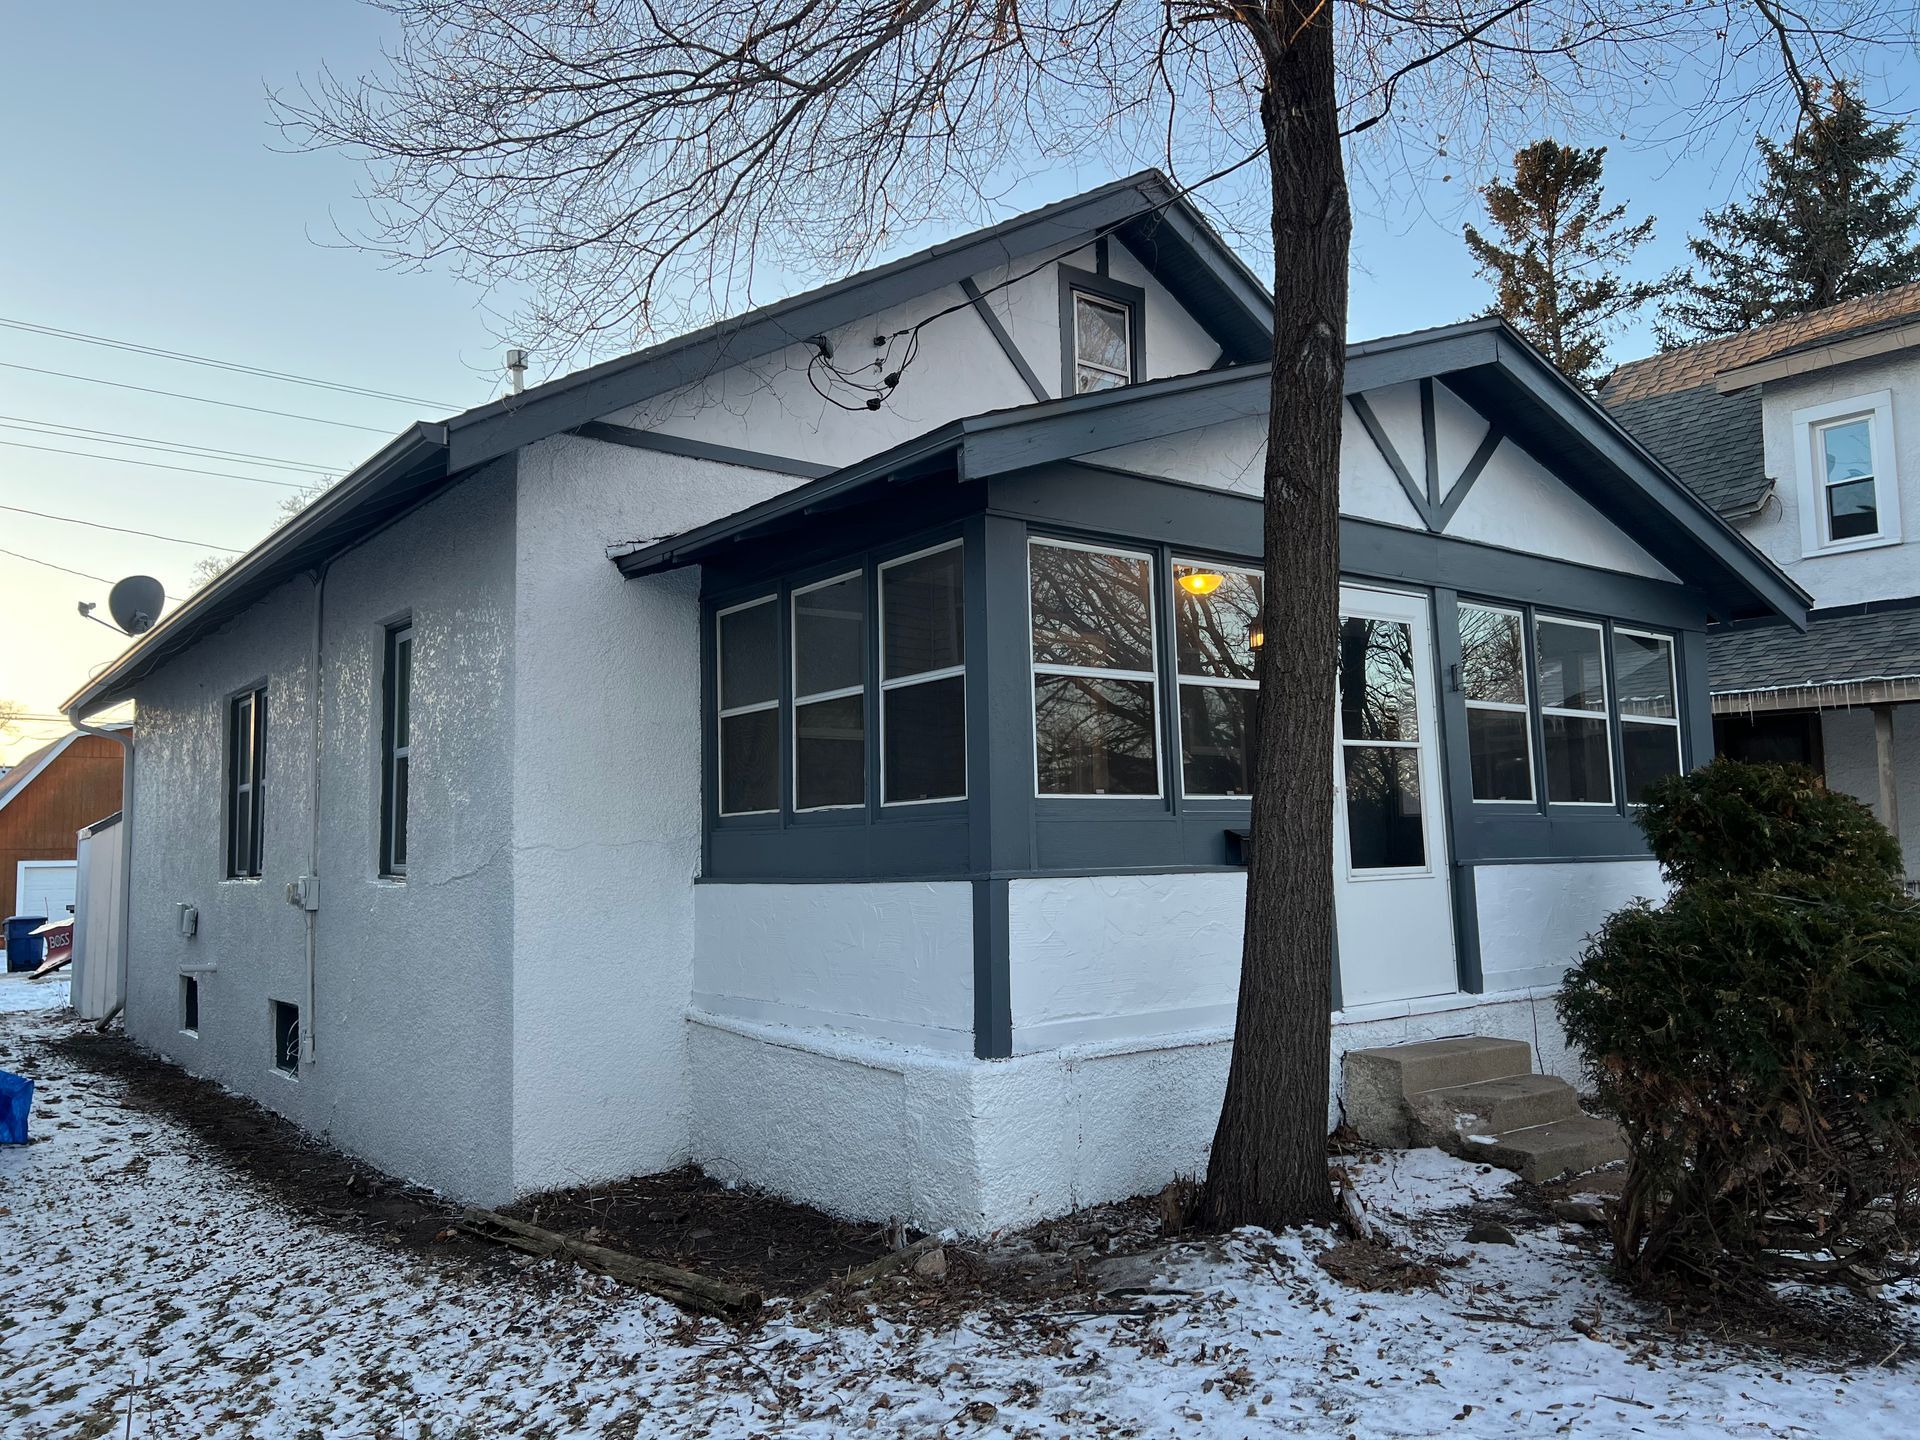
(1114,292)
(244,853)
(393,818)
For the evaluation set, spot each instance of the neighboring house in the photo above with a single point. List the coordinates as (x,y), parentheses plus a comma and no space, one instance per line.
(46,800)
(671,764)
(1806,436)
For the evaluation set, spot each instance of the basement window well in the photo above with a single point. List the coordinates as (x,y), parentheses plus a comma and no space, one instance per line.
(190,1004)
(286,1038)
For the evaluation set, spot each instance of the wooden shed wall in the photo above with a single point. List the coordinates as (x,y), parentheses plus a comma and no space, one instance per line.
(42,822)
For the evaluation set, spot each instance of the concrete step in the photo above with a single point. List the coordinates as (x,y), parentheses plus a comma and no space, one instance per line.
(1379,1081)
(1489,1107)
(1544,1152)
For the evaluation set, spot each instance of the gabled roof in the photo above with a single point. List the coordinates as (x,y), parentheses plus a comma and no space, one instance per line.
(1855,646)
(30,767)
(1144,212)
(1485,362)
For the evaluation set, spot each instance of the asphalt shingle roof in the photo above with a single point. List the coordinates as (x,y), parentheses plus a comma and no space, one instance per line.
(1835,650)
(1711,441)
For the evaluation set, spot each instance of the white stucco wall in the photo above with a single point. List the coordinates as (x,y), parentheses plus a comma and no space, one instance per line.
(1517,505)
(1535,918)
(412,1022)
(1881,573)
(1107,957)
(606,824)
(888,961)
(1853,766)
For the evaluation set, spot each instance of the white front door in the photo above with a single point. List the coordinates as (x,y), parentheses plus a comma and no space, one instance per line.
(45,887)
(1393,897)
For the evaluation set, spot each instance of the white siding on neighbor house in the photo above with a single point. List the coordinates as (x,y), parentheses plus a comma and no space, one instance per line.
(412,1025)
(891,961)
(1885,572)
(771,405)
(1535,918)
(607,805)
(1853,766)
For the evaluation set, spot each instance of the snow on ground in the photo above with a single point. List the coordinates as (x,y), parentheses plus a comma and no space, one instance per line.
(138,1275)
(18,993)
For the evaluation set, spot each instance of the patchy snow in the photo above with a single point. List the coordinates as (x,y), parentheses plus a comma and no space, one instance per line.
(18,993)
(137,1273)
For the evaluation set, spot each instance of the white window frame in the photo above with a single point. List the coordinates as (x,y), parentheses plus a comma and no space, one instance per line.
(1606,714)
(721,715)
(1506,707)
(1035,669)
(1180,678)
(924,677)
(1673,677)
(793,661)
(1808,424)
(1105,302)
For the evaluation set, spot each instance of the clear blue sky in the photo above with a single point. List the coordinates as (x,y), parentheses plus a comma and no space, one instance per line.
(147,198)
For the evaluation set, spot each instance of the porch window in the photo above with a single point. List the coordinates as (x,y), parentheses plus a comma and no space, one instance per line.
(1649,709)
(829,694)
(396,749)
(1493,677)
(747,644)
(1573,710)
(1095,686)
(246,758)
(1217,636)
(1380,745)
(923,678)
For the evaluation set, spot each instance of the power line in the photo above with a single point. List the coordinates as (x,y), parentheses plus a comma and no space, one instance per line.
(198,399)
(122,530)
(151,442)
(155,465)
(67,570)
(33,329)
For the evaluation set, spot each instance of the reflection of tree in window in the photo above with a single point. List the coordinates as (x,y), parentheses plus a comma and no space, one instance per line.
(1380,757)
(1216,644)
(1376,681)
(1096,736)
(1093,660)
(1091,609)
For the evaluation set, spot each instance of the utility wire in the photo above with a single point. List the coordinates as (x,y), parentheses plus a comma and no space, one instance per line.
(198,399)
(64,570)
(122,530)
(155,465)
(33,329)
(63,431)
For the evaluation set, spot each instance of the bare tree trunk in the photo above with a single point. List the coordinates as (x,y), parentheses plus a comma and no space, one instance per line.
(1269,1162)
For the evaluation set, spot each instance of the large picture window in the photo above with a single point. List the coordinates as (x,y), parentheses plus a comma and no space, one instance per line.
(1217,636)
(1493,678)
(830,694)
(1643,677)
(397,748)
(1572,663)
(246,759)
(923,685)
(1095,686)
(747,662)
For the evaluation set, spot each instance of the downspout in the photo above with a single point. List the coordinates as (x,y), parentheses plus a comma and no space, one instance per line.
(306,892)
(124,739)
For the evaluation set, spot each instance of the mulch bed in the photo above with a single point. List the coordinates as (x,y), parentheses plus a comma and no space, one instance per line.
(681,1218)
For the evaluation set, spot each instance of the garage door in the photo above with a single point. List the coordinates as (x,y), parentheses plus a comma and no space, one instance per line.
(45,888)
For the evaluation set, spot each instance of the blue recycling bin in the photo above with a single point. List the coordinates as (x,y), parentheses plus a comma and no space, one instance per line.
(16,1099)
(25,950)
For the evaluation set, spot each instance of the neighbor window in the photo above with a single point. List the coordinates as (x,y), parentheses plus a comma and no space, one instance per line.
(923,685)
(830,694)
(1849,493)
(1848,500)
(1643,678)
(1217,636)
(1102,342)
(1095,692)
(1572,665)
(190,1004)
(1493,678)
(286,1037)
(246,741)
(397,748)
(748,669)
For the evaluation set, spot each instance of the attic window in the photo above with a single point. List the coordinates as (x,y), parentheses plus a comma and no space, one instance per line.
(1849,494)
(1102,343)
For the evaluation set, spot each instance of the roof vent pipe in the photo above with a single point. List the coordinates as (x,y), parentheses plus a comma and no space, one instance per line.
(517,370)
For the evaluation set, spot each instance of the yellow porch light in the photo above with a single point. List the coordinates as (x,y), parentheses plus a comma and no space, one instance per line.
(1201,582)
(1256,639)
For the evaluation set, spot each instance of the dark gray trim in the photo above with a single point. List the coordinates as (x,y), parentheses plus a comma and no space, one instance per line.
(653,440)
(1463,485)
(1004,340)
(1376,432)
(1430,447)
(992,972)
(1100,286)
(1466,930)
(1690,659)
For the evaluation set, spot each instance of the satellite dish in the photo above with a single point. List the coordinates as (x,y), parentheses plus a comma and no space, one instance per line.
(135,603)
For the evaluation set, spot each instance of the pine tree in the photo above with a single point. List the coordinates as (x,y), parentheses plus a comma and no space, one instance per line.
(1556,264)
(1833,218)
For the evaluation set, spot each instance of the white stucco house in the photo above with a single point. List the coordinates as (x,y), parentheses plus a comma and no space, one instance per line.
(1805,435)
(686,760)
